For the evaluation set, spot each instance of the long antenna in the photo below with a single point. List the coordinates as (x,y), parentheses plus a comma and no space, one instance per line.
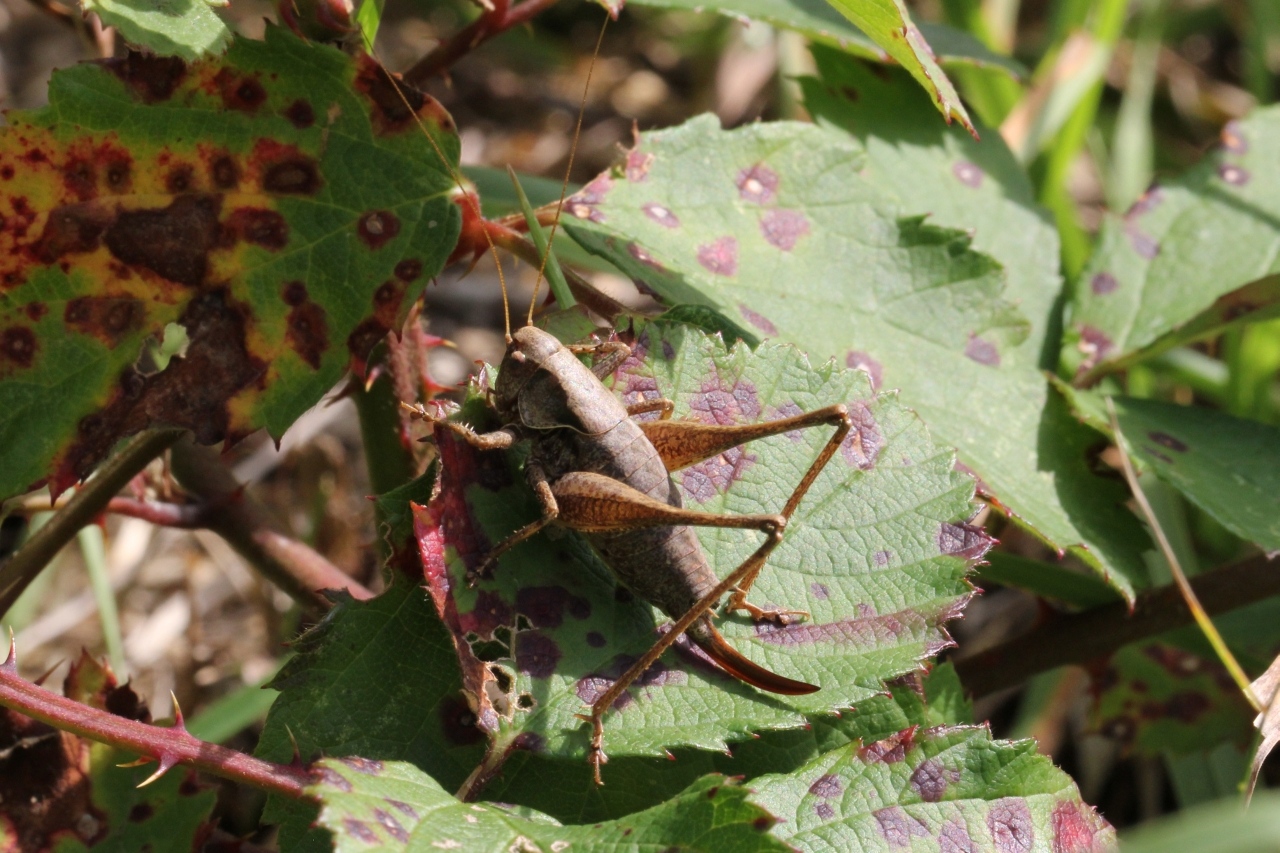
(470,199)
(568,170)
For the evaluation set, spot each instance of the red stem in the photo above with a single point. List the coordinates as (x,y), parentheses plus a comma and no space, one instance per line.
(168,746)
(488,25)
(182,516)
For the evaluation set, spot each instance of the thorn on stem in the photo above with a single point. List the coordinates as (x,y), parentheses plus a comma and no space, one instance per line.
(11,660)
(179,722)
(167,763)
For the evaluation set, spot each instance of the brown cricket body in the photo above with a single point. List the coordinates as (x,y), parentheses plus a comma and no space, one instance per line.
(575,424)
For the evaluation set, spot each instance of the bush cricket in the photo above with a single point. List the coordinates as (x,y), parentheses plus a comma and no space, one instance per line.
(595,470)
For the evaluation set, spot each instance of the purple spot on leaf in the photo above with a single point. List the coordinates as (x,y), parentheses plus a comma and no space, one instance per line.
(1143,244)
(891,750)
(860,632)
(720,256)
(1233,138)
(819,591)
(490,612)
(1095,346)
(758,184)
(824,811)
(719,402)
(367,766)
(1233,175)
(403,808)
(967,173)
(638,164)
(661,215)
(982,351)
(897,826)
(783,228)
(543,605)
(359,829)
(954,838)
(1009,822)
(593,686)
(930,780)
(963,540)
(758,320)
(584,204)
(1103,283)
(640,254)
(828,787)
(714,476)
(1146,203)
(536,654)
(668,351)
(391,825)
(333,779)
(881,558)
(862,446)
(862,361)
(1165,440)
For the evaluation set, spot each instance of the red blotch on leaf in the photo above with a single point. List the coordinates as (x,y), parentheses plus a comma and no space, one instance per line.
(18,346)
(409,270)
(240,93)
(827,786)
(301,114)
(294,293)
(394,103)
(720,256)
(109,319)
(152,78)
(584,204)
(225,172)
(930,780)
(80,178)
(180,179)
(1074,828)
(259,226)
(71,229)
(757,184)
(890,750)
(863,361)
(377,227)
(307,331)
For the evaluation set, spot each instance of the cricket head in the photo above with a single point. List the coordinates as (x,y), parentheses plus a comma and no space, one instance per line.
(527,354)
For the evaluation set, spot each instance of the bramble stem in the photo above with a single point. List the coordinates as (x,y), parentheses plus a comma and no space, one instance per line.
(500,19)
(168,746)
(1080,637)
(88,501)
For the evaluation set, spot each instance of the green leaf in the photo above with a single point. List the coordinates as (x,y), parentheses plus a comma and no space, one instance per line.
(1223,827)
(1157,698)
(564,788)
(185,28)
(974,185)
(877,554)
(1190,257)
(1227,466)
(377,679)
(819,21)
(931,789)
(370,805)
(775,225)
(231,196)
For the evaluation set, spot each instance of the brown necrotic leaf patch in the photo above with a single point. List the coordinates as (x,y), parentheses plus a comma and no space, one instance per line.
(192,392)
(151,78)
